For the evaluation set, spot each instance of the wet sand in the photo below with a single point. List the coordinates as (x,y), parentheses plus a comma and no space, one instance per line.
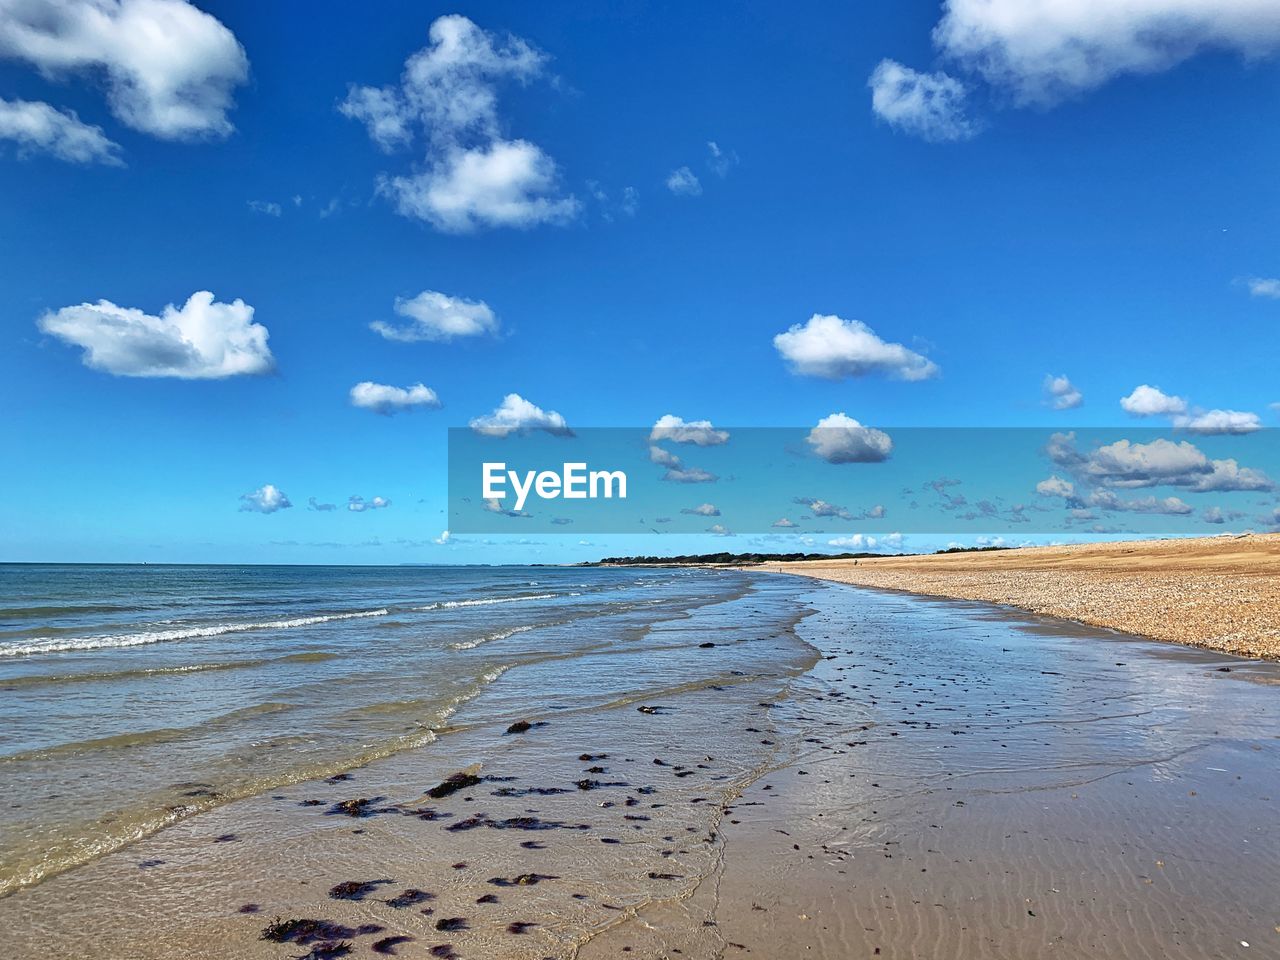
(940,779)
(1221,593)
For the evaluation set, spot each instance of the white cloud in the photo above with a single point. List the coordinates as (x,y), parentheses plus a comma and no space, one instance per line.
(270,208)
(443,539)
(720,530)
(39,128)
(820,508)
(827,346)
(663,457)
(679,474)
(1168,506)
(698,432)
(359,504)
(1044,50)
(473,176)
(684,182)
(841,439)
(387,400)
(1055,486)
(169,68)
(1147,401)
(929,105)
(1159,463)
(510,183)
(861,541)
(1268,287)
(703,510)
(783,523)
(1061,394)
(437,316)
(266,499)
(201,340)
(1219,422)
(721,161)
(1228,475)
(517,415)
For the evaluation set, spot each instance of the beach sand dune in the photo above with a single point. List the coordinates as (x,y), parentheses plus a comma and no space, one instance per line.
(1221,593)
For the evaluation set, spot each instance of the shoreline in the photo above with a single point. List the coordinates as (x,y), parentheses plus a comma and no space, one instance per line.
(1215,593)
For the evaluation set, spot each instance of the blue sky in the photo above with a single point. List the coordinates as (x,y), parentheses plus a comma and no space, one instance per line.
(999,214)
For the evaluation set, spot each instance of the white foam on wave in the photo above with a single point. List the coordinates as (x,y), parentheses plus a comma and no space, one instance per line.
(481,602)
(500,635)
(64,644)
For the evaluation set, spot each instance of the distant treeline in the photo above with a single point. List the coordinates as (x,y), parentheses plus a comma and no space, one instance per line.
(739,559)
(970,549)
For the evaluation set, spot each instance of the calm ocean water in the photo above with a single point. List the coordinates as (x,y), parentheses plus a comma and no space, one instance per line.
(133,696)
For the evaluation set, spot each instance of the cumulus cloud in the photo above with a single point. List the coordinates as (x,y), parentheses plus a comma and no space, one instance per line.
(39,128)
(314,504)
(388,400)
(1161,462)
(928,105)
(494,505)
(1169,506)
(698,432)
(783,523)
(1219,422)
(1055,486)
(1039,52)
(447,98)
(681,474)
(266,499)
(358,504)
(517,415)
(684,182)
(827,346)
(1061,394)
(511,183)
(861,541)
(1267,287)
(1044,50)
(841,439)
(443,539)
(1148,401)
(720,530)
(201,340)
(703,510)
(169,69)
(437,316)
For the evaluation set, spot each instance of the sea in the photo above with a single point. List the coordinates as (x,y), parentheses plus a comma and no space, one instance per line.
(134,696)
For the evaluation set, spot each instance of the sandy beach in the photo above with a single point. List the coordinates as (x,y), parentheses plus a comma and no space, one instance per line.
(1221,593)
(935,778)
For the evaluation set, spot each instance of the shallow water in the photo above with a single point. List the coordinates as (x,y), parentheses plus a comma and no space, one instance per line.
(132,697)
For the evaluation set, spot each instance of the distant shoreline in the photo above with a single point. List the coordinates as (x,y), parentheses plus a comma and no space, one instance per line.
(1218,593)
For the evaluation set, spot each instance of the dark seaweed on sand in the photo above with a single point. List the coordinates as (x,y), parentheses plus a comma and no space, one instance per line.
(409,898)
(387,945)
(356,889)
(451,923)
(329,950)
(451,785)
(523,880)
(304,930)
